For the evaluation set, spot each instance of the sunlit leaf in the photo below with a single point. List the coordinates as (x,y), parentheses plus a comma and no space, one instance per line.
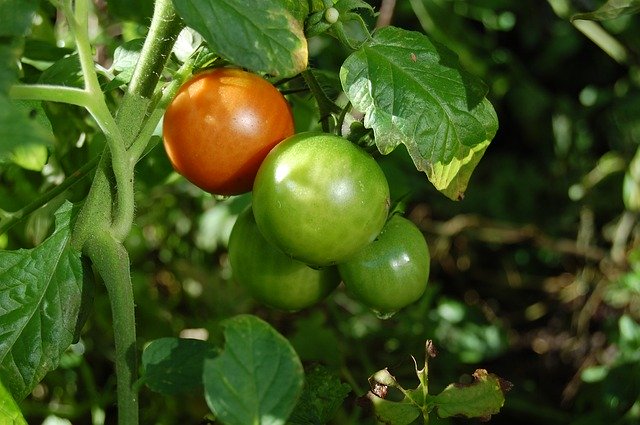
(392,412)
(413,92)
(25,134)
(256,379)
(9,410)
(40,300)
(263,37)
(481,398)
(125,58)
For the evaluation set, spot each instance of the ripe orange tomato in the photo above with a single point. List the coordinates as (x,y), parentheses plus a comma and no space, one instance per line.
(221,125)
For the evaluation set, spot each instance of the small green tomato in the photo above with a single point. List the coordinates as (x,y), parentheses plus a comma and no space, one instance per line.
(391,272)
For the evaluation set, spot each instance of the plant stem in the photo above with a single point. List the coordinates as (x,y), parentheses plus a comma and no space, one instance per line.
(140,144)
(101,226)
(163,31)
(69,95)
(112,262)
(97,107)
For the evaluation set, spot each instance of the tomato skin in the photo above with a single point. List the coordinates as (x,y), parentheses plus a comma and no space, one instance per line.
(392,272)
(320,198)
(272,277)
(221,125)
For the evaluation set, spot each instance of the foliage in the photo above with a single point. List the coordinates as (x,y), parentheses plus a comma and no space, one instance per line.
(534,273)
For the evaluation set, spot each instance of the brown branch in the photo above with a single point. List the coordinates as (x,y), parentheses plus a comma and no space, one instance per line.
(490,231)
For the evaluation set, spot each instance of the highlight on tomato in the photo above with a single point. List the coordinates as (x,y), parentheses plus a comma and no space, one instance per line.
(221,125)
(319,198)
(391,272)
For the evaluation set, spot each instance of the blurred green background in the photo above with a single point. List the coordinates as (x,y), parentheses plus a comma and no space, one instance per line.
(535,274)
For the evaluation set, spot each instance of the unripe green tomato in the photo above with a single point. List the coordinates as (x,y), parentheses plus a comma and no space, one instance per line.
(391,272)
(320,198)
(272,277)
(331,15)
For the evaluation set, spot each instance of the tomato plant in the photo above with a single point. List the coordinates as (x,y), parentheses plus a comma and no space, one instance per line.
(83,91)
(271,276)
(319,198)
(221,125)
(392,271)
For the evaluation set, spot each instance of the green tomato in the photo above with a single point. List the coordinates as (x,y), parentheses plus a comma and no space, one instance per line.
(320,198)
(272,277)
(391,272)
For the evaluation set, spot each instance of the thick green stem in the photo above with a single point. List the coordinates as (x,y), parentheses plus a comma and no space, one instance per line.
(163,31)
(96,211)
(97,107)
(103,224)
(140,144)
(112,262)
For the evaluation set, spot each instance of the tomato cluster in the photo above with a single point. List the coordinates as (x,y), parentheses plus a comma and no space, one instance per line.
(320,204)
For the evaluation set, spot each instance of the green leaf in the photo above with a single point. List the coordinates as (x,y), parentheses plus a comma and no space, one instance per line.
(125,58)
(323,394)
(629,335)
(25,131)
(390,412)
(258,377)
(610,10)
(299,9)
(17,16)
(9,411)
(9,54)
(40,299)
(262,37)
(30,157)
(316,341)
(631,184)
(23,137)
(482,398)
(413,92)
(65,72)
(33,156)
(43,51)
(174,365)
(394,413)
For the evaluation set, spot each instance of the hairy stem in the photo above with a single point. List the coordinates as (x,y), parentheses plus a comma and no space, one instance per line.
(163,32)
(140,144)
(164,29)
(102,225)
(112,262)
(97,107)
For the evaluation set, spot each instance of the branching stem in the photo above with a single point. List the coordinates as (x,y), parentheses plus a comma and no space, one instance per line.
(112,262)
